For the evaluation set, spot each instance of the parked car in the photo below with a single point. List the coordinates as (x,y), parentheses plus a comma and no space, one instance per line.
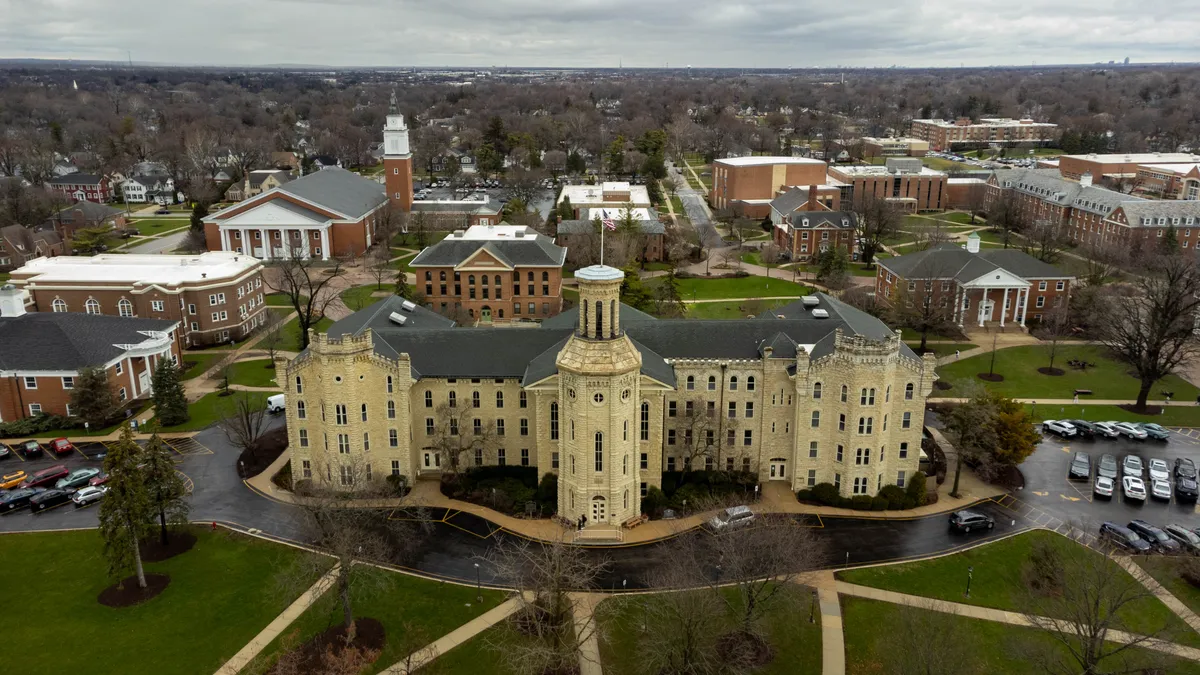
(1103,487)
(1184,468)
(12,479)
(1158,469)
(1186,489)
(31,449)
(88,495)
(1133,488)
(1107,466)
(60,447)
(48,499)
(1187,539)
(5,451)
(1059,428)
(1154,431)
(1081,467)
(77,478)
(732,517)
(1158,539)
(1083,429)
(1132,466)
(1123,537)
(18,498)
(276,403)
(1130,430)
(162,211)
(1160,489)
(47,476)
(99,479)
(965,521)
(1105,429)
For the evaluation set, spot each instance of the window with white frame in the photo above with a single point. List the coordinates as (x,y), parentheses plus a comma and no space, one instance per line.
(68,382)
(906,421)
(58,305)
(36,408)
(30,382)
(92,306)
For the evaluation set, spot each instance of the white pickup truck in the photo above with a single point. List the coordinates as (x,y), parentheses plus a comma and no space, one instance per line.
(275,403)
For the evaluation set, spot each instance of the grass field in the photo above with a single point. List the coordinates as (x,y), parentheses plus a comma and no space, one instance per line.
(216,602)
(402,264)
(200,363)
(290,334)
(983,647)
(734,309)
(1110,379)
(959,217)
(739,287)
(281,299)
(360,296)
(149,227)
(944,348)
(939,164)
(413,611)
(1165,571)
(998,582)
(796,642)
(212,408)
(754,258)
(254,373)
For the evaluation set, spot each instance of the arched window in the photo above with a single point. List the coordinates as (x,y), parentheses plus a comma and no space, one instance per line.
(364,412)
(59,305)
(442,276)
(750,383)
(583,324)
(712,383)
(691,382)
(483,278)
(545,276)
(612,318)
(471,279)
(845,391)
(733,383)
(599,451)
(497,280)
(428,399)
(389,384)
(554,422)
(816,390)
(299,385)
(91,306)
(499,399)
(452,399)
(625,464)
(391,410)
(627,499)
(887,394)
(428,275)
(599,318)
(908,391)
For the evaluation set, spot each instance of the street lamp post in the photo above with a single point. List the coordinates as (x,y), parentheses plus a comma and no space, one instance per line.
(812,604)
(970,571)
(478,586)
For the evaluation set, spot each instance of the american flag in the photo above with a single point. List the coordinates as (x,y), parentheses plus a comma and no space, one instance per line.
(610,224)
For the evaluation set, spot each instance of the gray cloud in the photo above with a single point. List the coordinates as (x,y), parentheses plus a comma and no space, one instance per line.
(580,33)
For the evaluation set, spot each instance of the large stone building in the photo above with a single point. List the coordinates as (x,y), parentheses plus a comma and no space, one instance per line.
(963,133)
(609,398)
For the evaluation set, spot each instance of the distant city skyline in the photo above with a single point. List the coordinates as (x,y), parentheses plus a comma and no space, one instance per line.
(591,33)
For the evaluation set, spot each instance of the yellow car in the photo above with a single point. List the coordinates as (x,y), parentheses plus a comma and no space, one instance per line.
(12,480)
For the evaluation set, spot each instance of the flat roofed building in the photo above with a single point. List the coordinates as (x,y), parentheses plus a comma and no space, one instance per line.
(904,181)
(1118,165)
(894,147)
(962,132)
(1169,181)
(613,193)
(215,297)
(747,185)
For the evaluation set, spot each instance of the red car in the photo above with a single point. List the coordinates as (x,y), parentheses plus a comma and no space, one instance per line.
(46,477)
(99,479)
(61,446)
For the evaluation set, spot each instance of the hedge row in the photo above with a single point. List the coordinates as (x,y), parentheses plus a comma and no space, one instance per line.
(504,488)
(890,497)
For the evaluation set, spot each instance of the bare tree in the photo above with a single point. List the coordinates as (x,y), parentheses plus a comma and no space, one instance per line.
(1080,608)
(271,334)
(1102,261)
(1054,326)
(934,641)
(1153,330)
(878,220)
(680,627)
(923,306)
(1045,240)
(700,427)
(930,236)
(459,431)
(245,422)
(976,200)
(307,286)
(1005,216)
(544,574)
(969,428)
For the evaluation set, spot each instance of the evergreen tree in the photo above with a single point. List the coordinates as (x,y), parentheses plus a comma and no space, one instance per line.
(164,486)
(92,397)
(125,510)
(670,296)
(634,293)
(654,190)
(199,211)
(1169,244)
(576,164)
(565,210)
(614,157)
(833,264)
(402,288)
(170,403)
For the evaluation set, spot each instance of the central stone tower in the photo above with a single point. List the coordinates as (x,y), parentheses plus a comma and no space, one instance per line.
(599,387)
(397,159)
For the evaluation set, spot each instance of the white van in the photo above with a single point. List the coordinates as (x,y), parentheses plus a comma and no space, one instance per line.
(275,403)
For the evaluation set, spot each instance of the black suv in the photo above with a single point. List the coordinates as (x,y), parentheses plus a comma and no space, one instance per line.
(1186,489)
(965,521)
(48,499)
(1184,468)
(1187,539)
(1081,467)
(1123,537)
(1083,429)
(1158,539)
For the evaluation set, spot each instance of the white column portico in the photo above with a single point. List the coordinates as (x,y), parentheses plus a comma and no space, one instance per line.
(247,247)
(1024,296)
(324,243)
(1004,308)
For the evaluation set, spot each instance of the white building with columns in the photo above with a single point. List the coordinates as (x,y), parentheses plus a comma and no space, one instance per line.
(325,214)
(984,286)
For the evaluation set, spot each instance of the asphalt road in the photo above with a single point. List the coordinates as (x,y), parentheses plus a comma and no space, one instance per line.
(161,245)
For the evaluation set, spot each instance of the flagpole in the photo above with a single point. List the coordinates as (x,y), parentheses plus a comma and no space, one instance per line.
(602,229)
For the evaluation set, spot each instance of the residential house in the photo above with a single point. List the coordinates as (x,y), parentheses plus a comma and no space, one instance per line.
(20,244)
(84,214)
(83,187)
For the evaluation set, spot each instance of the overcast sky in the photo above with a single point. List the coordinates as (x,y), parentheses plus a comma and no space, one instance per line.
(601,33)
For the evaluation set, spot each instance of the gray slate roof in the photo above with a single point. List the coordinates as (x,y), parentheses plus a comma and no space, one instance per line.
(540,251)
(68,341)
(446,207)
(1049,185)
(951,261)
(75,179)
(91,211)
(842,220)
(338,190)
(1135,211)
(581,226)
(568,319)
(376,318)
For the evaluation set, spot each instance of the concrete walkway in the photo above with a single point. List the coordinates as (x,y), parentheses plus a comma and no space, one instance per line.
(833,642)
(279,624)
(423,656)
(1181,610)
(583,607)
(1002,616)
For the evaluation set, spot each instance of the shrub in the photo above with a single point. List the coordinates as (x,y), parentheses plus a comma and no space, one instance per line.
(861,502)
(654,502)
(547,493)
(1189,569)
(826,493)
(1043,572)
(894,496)
(398,483)
(37,424)
(916,488)
(283,478)
(879,503)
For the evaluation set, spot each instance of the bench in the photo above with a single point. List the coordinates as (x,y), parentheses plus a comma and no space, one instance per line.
(1083,392)
(634,522)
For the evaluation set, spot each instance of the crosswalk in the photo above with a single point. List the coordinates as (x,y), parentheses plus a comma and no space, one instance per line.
(1040,518)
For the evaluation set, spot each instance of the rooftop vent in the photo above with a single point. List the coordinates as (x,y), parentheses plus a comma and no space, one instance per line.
(820,314)
(398,318)
(408,305)
(810,300)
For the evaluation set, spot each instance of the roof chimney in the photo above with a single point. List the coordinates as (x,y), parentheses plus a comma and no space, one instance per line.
(812,198)
(12,301)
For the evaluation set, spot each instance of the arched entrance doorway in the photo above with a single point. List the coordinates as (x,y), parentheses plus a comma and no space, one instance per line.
(485,314)
(778,468)
(599,510)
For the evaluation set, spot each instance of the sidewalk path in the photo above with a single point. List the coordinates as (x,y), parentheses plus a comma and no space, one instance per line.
(279,624)
(833,641)
(1000,616)
(1181,610)
(454,638)
(583,606)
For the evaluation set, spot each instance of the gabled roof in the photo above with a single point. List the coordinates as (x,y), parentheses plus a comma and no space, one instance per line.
(91,211)
(259,175)
(67,341)
(951,261)
(537,251)
(338,190)
(1135,211)
(76,179)
(790,200)
(376,318)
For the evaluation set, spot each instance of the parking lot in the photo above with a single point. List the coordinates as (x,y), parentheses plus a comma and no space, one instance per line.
(1071,501)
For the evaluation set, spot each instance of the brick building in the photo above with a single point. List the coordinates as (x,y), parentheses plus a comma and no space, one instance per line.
(41,355)
(963,133)
(324,214)
(492,273)
(83,187)
(213,297)
(582,238)
(905,182)
(20,244)
(803,234)
(1114,167)
(82,215)
(748,184)
(988,286)
(1169,181)
(894,147)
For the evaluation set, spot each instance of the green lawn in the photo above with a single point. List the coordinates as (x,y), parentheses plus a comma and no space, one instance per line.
(754,258)
(939,164)
(290,340)
(734,309)
(216,602)
(910,335)
(959,217)
(212,408)
(413,611)
(470,657)
(739,287)
(402,263)
(998,581)
(1164,570)
(359,297)
(281,299)
(1175,416)
(254,373)
(1108,380)
(996,237)
(149,227)
(985,647)
(200,362)
(944,349)
(677,205)
(796,642)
